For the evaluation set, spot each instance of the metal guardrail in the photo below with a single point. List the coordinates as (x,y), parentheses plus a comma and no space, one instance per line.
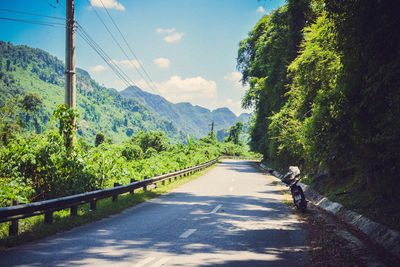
(241,158)
(47,207)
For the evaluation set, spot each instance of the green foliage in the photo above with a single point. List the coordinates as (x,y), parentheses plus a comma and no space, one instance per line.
(234,132)
(10,123)
(156,140)
(35,167)
(67,120)
(99,139)
(190,143)
(331,101)
(38,162)
(262,59)
(132,152)
(150,152)
(31,101)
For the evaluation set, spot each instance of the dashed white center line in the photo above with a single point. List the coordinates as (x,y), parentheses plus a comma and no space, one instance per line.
(187,233)
(144,262)
(216,209)
(160,262)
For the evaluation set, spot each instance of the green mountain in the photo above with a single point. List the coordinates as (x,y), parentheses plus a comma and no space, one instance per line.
(188,118)
(24,69)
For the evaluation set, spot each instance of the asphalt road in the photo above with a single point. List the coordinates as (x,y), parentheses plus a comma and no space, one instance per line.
(231,216)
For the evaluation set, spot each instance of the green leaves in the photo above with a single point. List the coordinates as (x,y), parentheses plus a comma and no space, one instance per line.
(67,120)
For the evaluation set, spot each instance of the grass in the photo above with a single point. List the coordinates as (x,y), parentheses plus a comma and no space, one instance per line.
(353,196)
(34,228)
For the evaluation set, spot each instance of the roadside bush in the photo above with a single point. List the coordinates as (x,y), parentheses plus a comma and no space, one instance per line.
(132,152)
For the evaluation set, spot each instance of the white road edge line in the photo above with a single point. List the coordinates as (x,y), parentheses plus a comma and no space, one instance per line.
(216,209)
(144,262)
(160,262)
(187,233)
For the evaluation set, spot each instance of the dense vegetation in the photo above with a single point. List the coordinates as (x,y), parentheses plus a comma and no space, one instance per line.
(324,84)
(43,166)
(116,139)
(27,70)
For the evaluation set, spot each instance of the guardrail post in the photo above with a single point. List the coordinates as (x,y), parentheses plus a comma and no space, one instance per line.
(145,187)
(155,184)
(13,228)
(74,210)
(163,181)
(133,190)
(115,197)
(48,217)
(93,204)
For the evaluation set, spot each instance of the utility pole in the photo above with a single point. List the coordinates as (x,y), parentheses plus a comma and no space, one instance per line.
(70,76)
(212,128)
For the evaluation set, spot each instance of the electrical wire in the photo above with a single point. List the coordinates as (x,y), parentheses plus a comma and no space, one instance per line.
(130,61)
(153,87)
(43,23)
(28,13)
(119,75)
(107,59)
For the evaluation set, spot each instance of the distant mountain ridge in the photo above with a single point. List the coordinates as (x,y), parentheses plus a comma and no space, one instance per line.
(119,115)
(188,118)
(24,69)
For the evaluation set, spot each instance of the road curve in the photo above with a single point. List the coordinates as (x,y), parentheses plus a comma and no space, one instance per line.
(232,216)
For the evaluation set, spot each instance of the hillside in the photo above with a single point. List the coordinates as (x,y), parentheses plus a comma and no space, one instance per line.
(24,69)
(188,118)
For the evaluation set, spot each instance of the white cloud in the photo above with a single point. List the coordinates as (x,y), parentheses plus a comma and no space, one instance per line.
(161,31)
(162,62)
(175,37)
(234,77)
(112,4)
(172,35)
(130,64)
(97,68)
(193,89)
(260,9)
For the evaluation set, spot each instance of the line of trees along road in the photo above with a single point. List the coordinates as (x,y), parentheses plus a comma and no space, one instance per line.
(324,83)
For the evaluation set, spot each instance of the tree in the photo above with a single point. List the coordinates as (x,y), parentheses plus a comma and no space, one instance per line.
(234,132)
(30,103)
(99,139)
(66,117)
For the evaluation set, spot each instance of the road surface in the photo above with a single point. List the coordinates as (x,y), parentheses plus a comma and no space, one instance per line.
(232,216)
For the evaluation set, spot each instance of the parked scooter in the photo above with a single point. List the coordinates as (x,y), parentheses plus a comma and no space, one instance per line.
(290,179)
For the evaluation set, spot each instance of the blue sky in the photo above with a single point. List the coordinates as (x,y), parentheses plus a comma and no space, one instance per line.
(188,47)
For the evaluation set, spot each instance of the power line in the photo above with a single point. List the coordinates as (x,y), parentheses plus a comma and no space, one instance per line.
(122,49)
(28,13)
(107,59)
(43,23)
(153,87)
(104,56)
(115,40)
(120,76)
